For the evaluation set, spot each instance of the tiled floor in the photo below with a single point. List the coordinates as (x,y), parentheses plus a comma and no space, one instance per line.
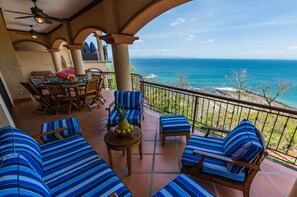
(160,164)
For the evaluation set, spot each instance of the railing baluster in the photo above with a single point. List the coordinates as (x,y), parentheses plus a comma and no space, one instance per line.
(291,141)
(223,127)
(272,129)
(195,110)
(280,138)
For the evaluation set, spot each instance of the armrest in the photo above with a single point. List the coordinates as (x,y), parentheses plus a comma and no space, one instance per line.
(56,132)
(208,129)
(109,107)
(227,159)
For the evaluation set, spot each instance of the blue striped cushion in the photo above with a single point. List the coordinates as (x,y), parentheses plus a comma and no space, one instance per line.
(183,185)
(133,116)
(219,168)
(210,144)
(244,125)
(71,124)
(242,144)
(18,178)
(16,141)
(176,123)
(128,99)
(77,170)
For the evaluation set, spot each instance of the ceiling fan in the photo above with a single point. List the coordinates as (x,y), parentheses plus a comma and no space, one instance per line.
(39,16)
(33,33)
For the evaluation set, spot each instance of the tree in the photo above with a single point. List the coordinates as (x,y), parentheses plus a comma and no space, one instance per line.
(181,81)
(271,91)
(238,80)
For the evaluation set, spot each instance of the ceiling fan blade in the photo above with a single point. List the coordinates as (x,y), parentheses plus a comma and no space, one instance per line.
(57,19)
(23,17)
(17,12)
(48,21)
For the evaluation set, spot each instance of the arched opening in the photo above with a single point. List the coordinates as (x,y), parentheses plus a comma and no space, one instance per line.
(63,62)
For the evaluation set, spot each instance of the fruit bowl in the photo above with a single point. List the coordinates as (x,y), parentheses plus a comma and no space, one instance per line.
(123,132)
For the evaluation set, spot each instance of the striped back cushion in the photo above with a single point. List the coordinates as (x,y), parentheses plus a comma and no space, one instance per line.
(18,178)
(16,141)
(128,99)
(71,124)
(242,144)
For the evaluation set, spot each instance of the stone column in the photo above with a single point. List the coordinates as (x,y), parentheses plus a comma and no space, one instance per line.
(77,60)
(121,61)
(56,58)
(100,47)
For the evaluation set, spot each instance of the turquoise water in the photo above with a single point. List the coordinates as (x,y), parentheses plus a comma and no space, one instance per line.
(210,73)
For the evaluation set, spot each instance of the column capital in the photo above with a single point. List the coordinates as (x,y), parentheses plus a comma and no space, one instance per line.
(74,46)
(53,50)
(118,39)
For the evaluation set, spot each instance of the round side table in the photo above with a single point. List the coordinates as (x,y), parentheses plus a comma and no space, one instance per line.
(115,142)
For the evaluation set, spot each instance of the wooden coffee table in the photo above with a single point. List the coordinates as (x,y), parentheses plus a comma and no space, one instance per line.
(115,142)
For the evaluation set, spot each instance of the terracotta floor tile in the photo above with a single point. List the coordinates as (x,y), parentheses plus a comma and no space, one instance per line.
(261,185)
(142,165)
(161,180)
(284,182)
(224,191)
(166,163)
(149,135)
(99,146)
(147,148)
(119,161)
(168,148)
(138,184)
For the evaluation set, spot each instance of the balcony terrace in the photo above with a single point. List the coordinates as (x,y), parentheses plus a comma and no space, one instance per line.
(160,164)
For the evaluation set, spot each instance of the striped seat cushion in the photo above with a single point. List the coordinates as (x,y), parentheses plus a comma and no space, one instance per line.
(212,145)
(175,123)
(128,99)
(71,124)
(15,141)
(133,116)
(77,170)
(183,185)
(243,144)
(19,178)
(207,144)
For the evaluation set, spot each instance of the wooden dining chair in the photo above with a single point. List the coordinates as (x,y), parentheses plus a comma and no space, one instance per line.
(60,96)
(90,94)
(100,79)
(44,102)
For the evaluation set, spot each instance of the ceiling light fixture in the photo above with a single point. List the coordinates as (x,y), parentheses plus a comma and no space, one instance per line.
(39,19)
(34,36)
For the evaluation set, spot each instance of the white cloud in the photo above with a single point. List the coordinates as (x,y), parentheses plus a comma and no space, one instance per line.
(178,21)
(190,37)
(292,48)
(210,40)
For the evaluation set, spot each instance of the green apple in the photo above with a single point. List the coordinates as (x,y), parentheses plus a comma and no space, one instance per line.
(119,131)
(124,131)
(128,130)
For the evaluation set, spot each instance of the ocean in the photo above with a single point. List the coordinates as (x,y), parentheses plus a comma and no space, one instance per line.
(210,74)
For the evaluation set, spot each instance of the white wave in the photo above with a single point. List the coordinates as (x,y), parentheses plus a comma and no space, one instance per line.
(149,76)
(231,89)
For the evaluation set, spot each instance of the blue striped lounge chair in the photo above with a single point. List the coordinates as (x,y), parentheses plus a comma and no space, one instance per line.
(68,167)
(132,101)
(183,185)
(232,161)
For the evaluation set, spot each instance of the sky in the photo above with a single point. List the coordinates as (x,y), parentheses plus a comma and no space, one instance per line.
(254,29)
